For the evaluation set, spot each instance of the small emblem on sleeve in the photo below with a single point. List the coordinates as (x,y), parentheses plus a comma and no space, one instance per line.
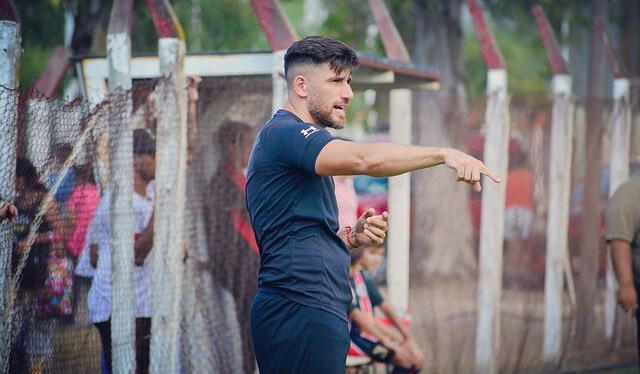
(308,131)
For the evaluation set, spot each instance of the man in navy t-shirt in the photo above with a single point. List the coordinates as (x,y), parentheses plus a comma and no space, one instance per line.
(299,316)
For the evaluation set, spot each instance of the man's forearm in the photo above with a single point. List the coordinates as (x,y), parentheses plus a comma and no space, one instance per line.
(389,159)
(621,261)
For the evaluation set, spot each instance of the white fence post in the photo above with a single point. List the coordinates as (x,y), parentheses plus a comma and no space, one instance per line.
(399,204)
(170,184)
(492,224)
(278,81)
(618,174)
(558,221)
(123,310)
(10,47)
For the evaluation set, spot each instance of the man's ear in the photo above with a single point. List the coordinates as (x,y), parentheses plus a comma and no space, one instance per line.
(301,86)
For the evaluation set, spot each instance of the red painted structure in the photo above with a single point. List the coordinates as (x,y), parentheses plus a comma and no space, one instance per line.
(275,25)
(492,56)
(8,11)
(617,67)
(53,75)
(280,34)
(393,44)
(164,19)
(558,65)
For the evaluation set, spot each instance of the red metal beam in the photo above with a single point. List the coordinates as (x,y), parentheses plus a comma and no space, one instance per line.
(121,17)
(399,67)
(8,11)
(617,67)
(53,75)
(492,56)
(275,24)
(165,20)
(391,39)
(558,65)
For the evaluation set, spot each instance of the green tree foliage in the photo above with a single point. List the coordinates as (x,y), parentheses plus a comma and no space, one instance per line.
(42,29)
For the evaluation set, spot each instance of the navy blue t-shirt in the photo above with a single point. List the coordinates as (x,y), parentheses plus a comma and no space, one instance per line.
(295,216)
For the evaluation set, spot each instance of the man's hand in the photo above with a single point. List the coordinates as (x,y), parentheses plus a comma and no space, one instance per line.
(371,229)
(8,210)
(628,298)
(468,168)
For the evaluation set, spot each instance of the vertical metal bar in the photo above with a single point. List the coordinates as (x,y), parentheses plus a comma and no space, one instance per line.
(492,224)
(619,173)
(170,184)
(123,310)
(399,204)
(10,43)
(558,220)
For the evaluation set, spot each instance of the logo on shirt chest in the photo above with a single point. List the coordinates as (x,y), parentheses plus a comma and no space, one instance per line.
(308,131)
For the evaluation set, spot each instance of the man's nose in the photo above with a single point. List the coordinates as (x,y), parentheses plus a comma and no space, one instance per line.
(347,93)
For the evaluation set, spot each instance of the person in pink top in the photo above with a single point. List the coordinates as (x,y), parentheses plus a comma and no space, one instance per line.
(81,207)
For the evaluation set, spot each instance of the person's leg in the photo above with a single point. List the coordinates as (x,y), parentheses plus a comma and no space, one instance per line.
(291,338)
(143,341)
(328,342)
(104,329)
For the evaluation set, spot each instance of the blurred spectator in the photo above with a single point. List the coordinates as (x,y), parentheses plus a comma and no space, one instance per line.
(234,252)
(99,242)
(32,344)
(347,200)
(390,342)
(60,155)
(81,207)
(518,215)
(623,236)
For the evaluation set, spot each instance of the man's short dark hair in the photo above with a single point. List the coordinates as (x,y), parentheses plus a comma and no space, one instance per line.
(144,143)
(317,50)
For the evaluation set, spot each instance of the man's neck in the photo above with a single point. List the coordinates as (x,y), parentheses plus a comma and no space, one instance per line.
(140,185)
(299,110)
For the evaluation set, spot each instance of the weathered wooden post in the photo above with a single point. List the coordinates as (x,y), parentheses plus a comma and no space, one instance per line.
(399,204)
(619,166)
(493,199)
(123,310)
(170,185)
(400,120)
(10,47)
(559,192)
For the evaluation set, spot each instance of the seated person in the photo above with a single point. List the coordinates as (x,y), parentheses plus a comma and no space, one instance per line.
(390,344)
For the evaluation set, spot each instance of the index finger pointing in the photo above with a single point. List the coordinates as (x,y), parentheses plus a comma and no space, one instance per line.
(485,170)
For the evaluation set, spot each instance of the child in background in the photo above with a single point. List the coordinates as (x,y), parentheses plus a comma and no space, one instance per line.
(383,343)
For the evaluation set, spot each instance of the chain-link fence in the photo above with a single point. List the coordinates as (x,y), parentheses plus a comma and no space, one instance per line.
(60,288)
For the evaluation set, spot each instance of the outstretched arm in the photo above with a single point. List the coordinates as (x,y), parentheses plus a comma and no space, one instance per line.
(341,157)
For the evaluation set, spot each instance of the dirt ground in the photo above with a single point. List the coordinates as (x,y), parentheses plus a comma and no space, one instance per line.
(444,322)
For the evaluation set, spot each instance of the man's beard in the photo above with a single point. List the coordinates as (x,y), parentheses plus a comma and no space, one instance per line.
(322,117)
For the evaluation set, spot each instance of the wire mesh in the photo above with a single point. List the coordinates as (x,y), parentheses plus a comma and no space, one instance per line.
(60,242)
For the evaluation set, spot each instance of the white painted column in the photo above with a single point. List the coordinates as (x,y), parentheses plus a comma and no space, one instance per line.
(170,198)
(558,215)
(10,48)
(492,224)
(619,173)
(122,223)
(399,205)
(278,81)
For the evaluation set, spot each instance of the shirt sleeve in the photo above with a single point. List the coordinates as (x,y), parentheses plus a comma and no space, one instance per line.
(374,293)
(296,145)
(622,217)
